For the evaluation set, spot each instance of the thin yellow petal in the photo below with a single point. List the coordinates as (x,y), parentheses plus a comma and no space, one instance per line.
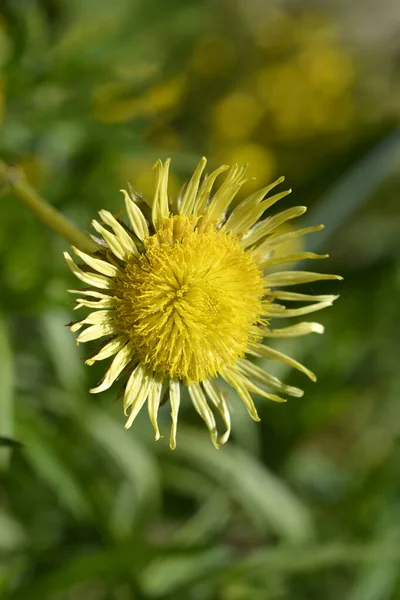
(136,217)
(274,311)
(252,387)
(289,258)
(205,190)
(109,349)
(108,302)
(285,278)
(200,403)
(235,380)
(297,330)
(136,392)
(101,266)
(267,226)
(160,209)
(99,281)
(97,317)
(113,243)
(174,399)
(294,296)
(93,293)
(95,331)
(153,403)
(189,197)
(239,222)
(225,194)
(283,238)
(217,397)
(255,372)
(124,239)
(272,354)
(121,360)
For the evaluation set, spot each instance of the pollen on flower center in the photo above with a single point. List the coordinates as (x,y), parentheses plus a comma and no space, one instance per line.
(190,302)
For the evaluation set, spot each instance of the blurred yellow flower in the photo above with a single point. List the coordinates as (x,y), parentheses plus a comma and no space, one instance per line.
(306,89)
(184,293)
(236,116)
(111,104)
(261,160)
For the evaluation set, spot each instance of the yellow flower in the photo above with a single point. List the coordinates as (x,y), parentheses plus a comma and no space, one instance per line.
(184,295)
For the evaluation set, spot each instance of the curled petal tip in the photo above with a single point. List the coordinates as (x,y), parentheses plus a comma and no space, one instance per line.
(214,439)
(225,437)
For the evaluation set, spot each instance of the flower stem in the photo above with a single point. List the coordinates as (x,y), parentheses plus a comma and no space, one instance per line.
(11,178)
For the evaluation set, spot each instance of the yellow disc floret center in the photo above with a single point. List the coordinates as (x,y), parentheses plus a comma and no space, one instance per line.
(190,303)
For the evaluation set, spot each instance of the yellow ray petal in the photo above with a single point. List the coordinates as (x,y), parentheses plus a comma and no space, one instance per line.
(288,258)
(121,360)
(153,403)
(200,403)
(217,397)
(136,217)
(223,197)
(136,392)
(160,209)
(274,311)
(93,293)
(297,330)
(112,241)
(98,281)
(267,226)
(95,331)
(174,399)
(124,239)
(205,190)
(109,349)
(295,297)
(283,238)
(189,197)
(255,372)
(285,278)
(252,387)
(235,380)
(272,354)
(108,302)
(239,221)
(101,266)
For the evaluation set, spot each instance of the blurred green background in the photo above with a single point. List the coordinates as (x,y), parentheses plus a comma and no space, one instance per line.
(306,504)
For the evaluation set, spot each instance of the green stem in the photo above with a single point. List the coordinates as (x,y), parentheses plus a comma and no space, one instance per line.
(13,179)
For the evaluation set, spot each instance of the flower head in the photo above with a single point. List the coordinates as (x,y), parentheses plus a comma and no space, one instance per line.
(184,294)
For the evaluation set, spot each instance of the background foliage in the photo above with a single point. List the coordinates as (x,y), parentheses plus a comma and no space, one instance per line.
(307,503)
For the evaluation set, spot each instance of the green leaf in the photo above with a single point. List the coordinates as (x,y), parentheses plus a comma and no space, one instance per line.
(51,466)
(135,463)
(172,574)
(62,350)
(267,501)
